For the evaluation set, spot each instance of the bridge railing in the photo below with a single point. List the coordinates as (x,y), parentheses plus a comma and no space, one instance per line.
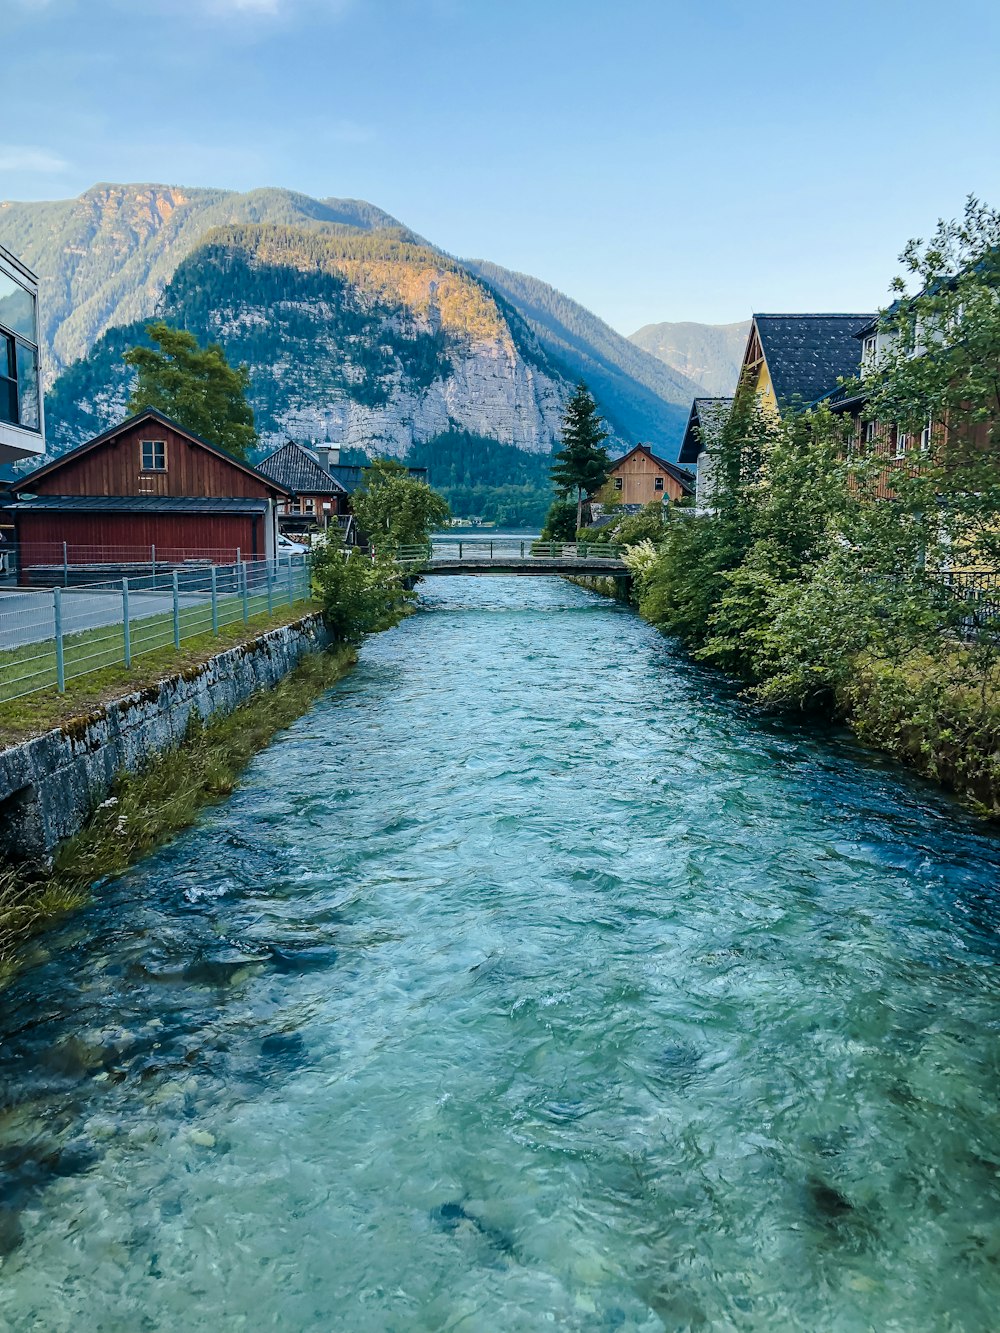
(499,549)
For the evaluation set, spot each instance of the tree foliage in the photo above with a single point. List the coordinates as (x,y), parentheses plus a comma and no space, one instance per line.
(359,594)
(395,509)
(823,563)
(194,385)
(581,466)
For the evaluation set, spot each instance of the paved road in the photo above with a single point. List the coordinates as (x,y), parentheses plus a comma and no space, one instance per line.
(28,617)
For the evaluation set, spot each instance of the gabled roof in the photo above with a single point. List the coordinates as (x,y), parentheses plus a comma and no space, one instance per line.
(299,470)
(708,416)
(147,414)
(681,475)
(807,354)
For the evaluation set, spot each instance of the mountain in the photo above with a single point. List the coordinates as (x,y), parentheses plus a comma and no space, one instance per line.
(367,338)
(353,326)
(105,258)
(630,385)
(710,354)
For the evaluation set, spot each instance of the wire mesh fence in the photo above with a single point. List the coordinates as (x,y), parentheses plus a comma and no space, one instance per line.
(52,635)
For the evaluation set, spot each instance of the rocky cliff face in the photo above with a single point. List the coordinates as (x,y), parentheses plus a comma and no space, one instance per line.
(380,344)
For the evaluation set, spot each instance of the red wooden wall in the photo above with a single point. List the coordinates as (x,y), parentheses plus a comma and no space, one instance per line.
(107,537)
(114,468)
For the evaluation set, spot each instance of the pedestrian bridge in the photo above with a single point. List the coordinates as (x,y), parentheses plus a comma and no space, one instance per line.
(507,555)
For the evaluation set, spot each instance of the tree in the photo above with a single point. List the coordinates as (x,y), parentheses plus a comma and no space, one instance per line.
(358,594)
(395,508)
(194,385)
(582,464)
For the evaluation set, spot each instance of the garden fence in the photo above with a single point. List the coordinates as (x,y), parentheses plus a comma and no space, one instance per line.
(52,635)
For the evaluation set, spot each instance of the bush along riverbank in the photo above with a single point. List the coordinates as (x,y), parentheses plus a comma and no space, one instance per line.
(851,568)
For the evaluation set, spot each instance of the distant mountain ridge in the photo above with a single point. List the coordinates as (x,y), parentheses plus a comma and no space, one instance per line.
(393,341)
(709,354)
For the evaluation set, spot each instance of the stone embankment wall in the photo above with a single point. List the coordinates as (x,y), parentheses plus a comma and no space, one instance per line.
(50,784)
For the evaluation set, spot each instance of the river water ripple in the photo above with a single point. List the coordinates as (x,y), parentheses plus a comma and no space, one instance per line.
(529,980)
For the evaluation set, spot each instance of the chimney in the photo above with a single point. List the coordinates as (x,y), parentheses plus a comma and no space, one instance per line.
(327,453)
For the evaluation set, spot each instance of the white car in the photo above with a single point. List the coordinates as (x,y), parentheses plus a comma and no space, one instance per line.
(286,546)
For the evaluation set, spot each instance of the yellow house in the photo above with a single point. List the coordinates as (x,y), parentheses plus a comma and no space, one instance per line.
(795,360)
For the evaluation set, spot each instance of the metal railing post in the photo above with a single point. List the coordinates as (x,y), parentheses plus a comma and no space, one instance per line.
(522,550)
(215,601)
(270,589)
(243,580)
(177,611)
(459,550)
(126,625)
(291,583)
(65,566)
(60,657)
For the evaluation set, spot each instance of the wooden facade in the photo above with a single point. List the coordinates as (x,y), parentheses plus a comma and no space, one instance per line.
(147,489)
(112,465)
(641,478)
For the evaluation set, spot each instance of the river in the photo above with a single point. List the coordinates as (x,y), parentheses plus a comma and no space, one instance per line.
(529,980)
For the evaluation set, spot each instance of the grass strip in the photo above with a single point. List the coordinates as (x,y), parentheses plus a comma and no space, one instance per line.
(154,656)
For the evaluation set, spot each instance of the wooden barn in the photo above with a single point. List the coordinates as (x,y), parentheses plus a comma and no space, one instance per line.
(642,477)
(147,489)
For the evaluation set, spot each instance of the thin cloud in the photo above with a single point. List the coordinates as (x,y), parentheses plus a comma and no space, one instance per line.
(31,159)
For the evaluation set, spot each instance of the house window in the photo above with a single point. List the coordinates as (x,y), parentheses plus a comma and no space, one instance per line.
(870,432)
(19,396)
(154,455)
(657,483)
(925,437)
(618,483)
(902,443)
(868,351)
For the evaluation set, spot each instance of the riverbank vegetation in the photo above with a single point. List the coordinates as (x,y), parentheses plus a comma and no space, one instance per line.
(145,809)
(851,567)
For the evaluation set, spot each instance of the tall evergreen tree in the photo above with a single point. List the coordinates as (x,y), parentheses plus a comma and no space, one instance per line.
(196,386)
(582,464)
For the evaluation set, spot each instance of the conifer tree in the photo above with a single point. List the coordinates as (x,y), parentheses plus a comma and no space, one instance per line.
(196,386)
(582,464)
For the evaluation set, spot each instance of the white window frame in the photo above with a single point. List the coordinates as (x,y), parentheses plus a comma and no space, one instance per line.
(619,483)
(154,453)
(925,436)
(902,443)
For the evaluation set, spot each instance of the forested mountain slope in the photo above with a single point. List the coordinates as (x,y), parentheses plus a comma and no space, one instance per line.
(105,257)
(369,339)
(709,354)
(376,338)
(629,384)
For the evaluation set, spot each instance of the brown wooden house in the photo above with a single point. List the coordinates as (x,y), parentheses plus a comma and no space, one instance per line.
(146,489)
(315,496)
(641,477)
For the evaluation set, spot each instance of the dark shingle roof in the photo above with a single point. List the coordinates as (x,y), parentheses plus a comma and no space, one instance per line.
(141,504)
(708,415)
(299,470)
(807,354)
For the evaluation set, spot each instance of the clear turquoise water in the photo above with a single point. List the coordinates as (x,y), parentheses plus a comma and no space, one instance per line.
(530,980)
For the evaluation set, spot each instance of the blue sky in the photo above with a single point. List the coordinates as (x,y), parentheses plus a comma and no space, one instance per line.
(656,161)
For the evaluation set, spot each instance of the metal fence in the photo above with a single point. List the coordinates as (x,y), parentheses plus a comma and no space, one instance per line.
(50,636)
